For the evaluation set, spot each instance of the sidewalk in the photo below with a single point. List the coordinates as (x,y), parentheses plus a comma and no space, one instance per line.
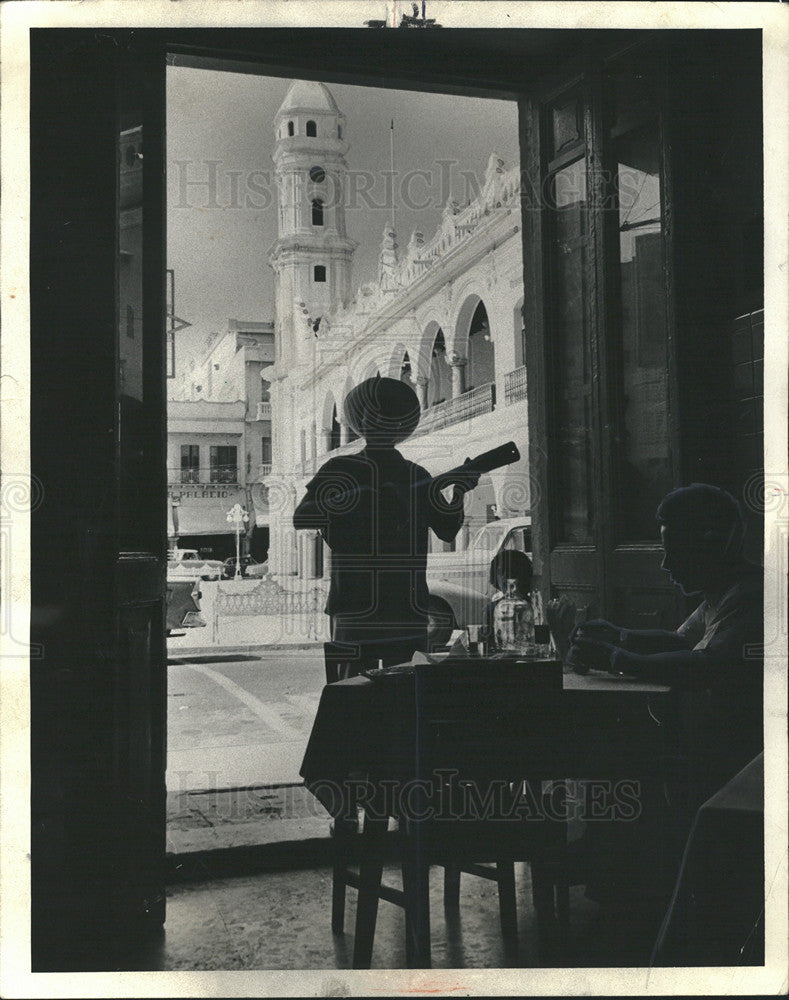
(244,817)
(245,633)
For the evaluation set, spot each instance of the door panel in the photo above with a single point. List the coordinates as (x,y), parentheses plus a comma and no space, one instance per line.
(608,443)
(140,676)
(97,449)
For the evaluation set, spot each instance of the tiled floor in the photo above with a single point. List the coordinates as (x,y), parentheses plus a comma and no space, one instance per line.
(281,920)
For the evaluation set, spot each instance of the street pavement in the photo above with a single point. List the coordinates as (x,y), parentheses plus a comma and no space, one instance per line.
(237,727)
(239,719)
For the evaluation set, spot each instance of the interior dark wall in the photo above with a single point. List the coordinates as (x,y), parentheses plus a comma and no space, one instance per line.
(73,548)
(717,137)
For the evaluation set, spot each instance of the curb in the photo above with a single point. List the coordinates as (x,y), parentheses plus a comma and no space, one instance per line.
(211,651)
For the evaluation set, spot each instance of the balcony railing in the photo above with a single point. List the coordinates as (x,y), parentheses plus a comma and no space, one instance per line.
(264,469)
(226,474)
(471,404)
(515,385)
(264,411)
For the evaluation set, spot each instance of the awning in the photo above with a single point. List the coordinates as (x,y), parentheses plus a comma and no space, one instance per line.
(203,509)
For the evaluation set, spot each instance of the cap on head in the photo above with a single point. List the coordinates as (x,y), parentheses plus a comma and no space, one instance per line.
(385,406)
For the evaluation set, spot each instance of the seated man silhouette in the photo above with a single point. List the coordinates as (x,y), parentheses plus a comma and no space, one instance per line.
(717,652)
(374,509)
(714,658)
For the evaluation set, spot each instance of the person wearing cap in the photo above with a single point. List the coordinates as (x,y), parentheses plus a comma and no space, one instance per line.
(374,509)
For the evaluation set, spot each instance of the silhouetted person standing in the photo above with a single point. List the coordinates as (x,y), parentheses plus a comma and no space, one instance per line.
(374,509)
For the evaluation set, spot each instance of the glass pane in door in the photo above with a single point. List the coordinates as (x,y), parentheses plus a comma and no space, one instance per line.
(572,374)
(644,458)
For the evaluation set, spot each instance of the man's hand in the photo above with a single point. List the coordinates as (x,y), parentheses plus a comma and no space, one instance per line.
(464,481)
(599,630)
(589,654)
(560,616)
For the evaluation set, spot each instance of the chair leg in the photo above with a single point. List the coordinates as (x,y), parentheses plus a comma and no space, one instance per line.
(338,900)
(563,908)
(344,832)
(370,874)
(508,912)
(416,885)
(543,900)
(451,887)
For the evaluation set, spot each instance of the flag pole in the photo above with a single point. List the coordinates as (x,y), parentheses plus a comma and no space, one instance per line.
(392,162)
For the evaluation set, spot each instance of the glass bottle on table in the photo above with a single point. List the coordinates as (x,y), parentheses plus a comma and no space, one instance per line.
(513,621)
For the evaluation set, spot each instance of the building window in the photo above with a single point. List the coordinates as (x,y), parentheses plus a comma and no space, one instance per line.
(291,129)
(317,212)
(265,450)
(481,365)
(439,388)
(223,464)
(334,435)
(130,322)
(339,131)
(312,130)
(190,463)
(319,272)
(317,175)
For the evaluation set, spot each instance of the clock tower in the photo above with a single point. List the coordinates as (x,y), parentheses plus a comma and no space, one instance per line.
(312,255)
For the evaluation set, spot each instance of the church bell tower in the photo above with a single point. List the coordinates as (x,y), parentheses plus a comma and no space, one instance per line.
(312,255)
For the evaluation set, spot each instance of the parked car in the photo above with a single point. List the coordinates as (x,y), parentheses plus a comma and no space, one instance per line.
(187,564)
(251,569)
(471,567)
(450,607)
(183,606)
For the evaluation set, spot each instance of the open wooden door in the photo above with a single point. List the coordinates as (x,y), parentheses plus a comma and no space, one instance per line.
(99,536)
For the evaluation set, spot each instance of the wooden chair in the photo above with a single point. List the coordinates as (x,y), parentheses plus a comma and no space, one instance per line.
(361,856)
(472,724)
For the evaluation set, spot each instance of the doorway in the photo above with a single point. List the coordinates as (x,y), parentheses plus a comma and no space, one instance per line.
(416,220)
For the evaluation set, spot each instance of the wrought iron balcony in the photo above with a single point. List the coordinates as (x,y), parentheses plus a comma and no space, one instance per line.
(263,411)
(470,404)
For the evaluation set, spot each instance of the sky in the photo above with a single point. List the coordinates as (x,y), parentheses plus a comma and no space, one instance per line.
(221,203)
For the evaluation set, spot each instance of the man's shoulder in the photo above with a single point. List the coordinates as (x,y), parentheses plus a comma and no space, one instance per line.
(746,591)
(417,471)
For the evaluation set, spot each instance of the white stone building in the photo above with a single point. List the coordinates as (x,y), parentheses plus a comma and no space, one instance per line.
(219,441)
(444,313)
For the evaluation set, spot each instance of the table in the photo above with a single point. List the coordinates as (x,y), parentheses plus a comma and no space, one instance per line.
(525,723)
(716,913)
(592,725)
